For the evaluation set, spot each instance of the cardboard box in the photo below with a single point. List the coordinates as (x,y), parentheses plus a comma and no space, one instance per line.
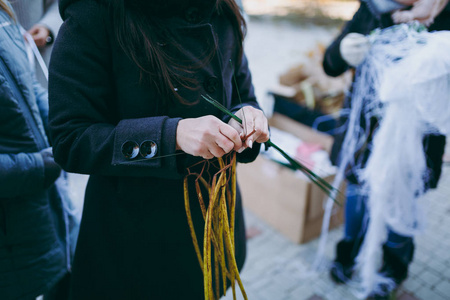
(290,203)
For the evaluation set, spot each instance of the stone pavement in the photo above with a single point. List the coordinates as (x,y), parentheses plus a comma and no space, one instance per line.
(277,269)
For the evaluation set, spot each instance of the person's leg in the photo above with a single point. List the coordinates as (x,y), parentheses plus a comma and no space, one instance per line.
(355,226)
(398,252)
(356,217)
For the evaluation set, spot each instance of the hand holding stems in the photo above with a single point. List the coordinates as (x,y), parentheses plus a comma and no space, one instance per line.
(209,137)
(320,182)
(254,120)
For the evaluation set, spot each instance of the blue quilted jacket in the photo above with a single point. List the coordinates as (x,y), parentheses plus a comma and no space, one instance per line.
(34,240)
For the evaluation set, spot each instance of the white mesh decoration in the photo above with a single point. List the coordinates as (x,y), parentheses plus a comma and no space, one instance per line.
(404,82)
(408,80)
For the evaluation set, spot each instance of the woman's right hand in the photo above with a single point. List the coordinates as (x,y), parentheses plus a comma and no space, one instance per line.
(207,137)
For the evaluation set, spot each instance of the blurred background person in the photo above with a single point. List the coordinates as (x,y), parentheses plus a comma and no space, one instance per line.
(41,19)
(348,51)
(36,243)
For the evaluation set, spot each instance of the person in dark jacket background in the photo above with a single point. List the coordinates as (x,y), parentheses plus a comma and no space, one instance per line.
(42,21)
(35,240)
(126,80)
(348,51)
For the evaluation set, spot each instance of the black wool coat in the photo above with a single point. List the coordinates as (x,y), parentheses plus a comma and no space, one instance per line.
(134,240)
(364,21)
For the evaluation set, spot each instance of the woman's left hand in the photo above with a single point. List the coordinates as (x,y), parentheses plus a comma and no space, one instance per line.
(252,120)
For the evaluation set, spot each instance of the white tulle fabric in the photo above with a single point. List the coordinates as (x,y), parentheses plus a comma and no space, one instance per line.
(404,82)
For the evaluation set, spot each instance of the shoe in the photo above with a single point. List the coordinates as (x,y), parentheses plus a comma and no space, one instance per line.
(385,293)
(341,270)
(341,273)
(393,268)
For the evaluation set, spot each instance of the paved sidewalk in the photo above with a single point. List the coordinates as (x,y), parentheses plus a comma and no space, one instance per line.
(277,269)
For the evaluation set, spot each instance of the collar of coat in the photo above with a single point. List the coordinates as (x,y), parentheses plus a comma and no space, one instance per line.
(157,8)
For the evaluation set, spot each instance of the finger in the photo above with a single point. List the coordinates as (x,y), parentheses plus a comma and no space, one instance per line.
(33,31)
(237,126)
(41,32)
(249,123)
(266,129)
(39,35)
(232,135)
(216,151)
(207,155)
(249,126)
(261,130)
(40,42)
(224,143)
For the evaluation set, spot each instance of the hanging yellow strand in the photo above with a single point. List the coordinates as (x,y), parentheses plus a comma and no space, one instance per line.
(218,229)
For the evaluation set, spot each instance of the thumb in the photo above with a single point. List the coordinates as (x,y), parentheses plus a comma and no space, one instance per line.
(33,31)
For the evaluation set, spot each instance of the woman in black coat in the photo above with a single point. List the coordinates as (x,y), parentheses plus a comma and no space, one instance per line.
(398,251)
(126,81)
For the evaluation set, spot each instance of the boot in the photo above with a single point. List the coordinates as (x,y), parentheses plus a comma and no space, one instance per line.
(395,268)
(341,270)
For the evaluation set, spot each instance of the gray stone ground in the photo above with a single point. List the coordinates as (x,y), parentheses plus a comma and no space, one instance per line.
(277,269)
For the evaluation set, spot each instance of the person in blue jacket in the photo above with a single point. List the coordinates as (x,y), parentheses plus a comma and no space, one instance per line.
(35,242)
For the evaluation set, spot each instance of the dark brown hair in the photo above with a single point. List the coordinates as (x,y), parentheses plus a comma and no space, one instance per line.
(140,36)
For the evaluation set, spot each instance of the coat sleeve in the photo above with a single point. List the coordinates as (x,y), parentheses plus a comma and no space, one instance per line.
(51,19)
(21,174)
(333,63)
(85,129)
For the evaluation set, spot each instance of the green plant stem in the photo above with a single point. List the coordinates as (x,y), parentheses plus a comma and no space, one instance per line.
(319,181)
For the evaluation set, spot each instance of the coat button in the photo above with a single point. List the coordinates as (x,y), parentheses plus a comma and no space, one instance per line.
(148,149)
(192,15)
(211,84)
(130,149)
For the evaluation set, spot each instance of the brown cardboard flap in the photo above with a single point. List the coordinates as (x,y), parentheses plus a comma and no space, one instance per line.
(305,133)
(289,202)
